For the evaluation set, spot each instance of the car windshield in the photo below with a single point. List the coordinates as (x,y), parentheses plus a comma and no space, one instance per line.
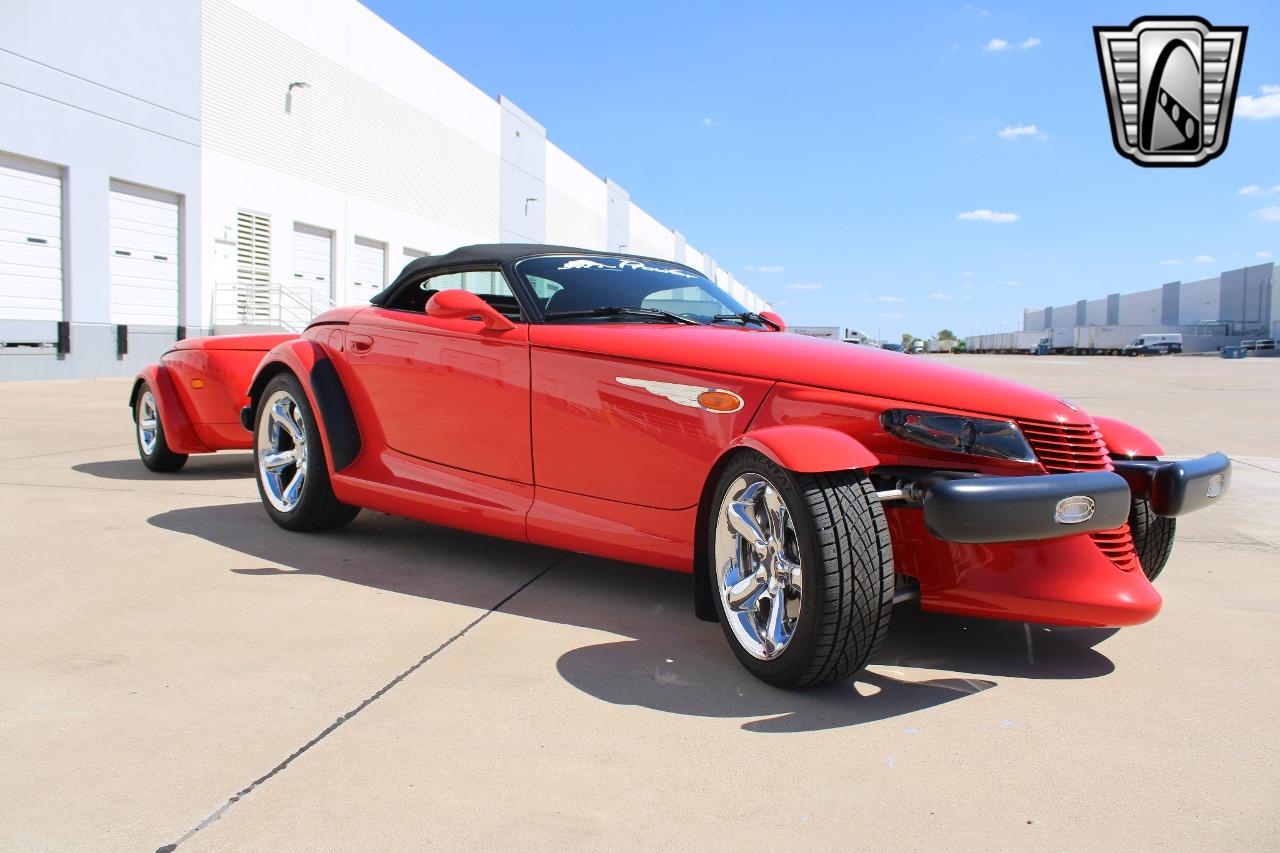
(592,289)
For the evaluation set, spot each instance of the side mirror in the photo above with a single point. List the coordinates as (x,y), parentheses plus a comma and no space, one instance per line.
(463,305)
(775,320)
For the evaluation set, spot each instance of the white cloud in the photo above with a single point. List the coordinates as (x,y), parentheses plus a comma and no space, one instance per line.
(1017,131)
(967,274)
(1207,259)
(984,215)
(1013,284)
(768,268)
(802,286)
(1263,255)
(996,44)
(1171,262)
(707,122)
(890,298)
(1254,189)
(974,10)
(1266,105)
(1028,43)
(941,297)
(1270,214)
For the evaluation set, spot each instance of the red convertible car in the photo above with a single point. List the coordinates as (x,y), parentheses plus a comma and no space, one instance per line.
(627,407)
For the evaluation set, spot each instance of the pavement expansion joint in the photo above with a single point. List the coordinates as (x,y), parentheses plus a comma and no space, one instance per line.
(382,691)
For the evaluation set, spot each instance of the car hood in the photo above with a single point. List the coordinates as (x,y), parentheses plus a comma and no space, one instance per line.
(803,360)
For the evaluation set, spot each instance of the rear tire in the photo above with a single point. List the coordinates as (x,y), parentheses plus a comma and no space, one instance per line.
(292,474)
(153,448)
(825,554)
(1152,537)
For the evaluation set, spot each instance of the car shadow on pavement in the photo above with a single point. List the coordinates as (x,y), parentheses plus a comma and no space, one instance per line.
(671,662)
(212,466)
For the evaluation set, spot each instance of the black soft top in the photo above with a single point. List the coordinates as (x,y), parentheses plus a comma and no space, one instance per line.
(492,254)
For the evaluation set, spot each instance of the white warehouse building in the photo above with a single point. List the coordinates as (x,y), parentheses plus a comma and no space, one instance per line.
(173,168)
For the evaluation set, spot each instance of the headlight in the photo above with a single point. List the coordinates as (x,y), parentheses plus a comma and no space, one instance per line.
(959,434)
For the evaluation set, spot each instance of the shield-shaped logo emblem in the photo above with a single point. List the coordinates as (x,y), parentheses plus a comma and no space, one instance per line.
(1170,85)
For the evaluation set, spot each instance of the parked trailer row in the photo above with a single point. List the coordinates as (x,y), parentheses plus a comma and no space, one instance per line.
(1005,342)
(1078,340)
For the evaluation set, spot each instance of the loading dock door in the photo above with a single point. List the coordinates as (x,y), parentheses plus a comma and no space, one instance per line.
(30,241)
(368,271)
(144,256)
(313,260)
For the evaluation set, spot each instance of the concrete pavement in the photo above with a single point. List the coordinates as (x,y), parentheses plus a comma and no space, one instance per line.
(174,669)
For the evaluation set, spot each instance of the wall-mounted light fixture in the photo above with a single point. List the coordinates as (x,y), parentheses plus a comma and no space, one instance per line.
(288,93)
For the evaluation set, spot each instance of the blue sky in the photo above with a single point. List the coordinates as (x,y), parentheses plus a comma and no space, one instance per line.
(825,152)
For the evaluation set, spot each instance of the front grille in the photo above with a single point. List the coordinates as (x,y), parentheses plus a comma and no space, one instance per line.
(1066,448)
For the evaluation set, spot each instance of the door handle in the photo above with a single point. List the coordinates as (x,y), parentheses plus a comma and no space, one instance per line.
(359,343)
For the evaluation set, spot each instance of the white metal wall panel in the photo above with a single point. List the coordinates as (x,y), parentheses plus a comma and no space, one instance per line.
(368,270)
(649,236)
(30,241)
(144,234)
(577,203)
(342,131)
(1199,301)
(313,258)
(1095,312)
(694,258)
(1136,309)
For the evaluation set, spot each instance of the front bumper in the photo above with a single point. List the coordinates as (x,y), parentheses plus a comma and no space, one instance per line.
(989,547)
(1023,509)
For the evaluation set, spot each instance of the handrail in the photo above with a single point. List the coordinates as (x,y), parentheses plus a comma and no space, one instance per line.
(248,303)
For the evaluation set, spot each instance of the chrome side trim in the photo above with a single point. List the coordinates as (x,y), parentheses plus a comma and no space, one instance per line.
(681,395)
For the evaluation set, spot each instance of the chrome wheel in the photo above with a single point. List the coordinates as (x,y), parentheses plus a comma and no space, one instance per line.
(757,559)
(148,422)
(282,451)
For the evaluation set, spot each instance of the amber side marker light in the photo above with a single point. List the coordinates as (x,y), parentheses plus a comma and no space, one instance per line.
(720,401)
(197,383)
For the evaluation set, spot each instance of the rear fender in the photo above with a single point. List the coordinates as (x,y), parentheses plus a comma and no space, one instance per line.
(800,448)
(310,363)
(179,433)
(1125,441)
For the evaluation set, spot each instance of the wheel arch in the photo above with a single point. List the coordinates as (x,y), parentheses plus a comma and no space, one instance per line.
(800,448)
(310,364)
(179,433)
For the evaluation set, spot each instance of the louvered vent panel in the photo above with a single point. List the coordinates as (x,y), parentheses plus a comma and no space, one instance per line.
(253,266)
(1067,448)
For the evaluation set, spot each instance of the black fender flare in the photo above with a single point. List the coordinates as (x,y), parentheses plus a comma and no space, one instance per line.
(328,398)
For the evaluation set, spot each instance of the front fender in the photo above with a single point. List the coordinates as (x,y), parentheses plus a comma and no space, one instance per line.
(807,449)
(310,363)
(179,433)
(1125,441)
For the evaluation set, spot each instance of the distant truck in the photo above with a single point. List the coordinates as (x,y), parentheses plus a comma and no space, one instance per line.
(1006,342)
(1154,344)
(831,333)
(1104,340)
(1062,340)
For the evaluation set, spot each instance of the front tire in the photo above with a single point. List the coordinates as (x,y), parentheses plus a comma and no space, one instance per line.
(292,475)
(802,570)
(153,448)
(1152,537)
